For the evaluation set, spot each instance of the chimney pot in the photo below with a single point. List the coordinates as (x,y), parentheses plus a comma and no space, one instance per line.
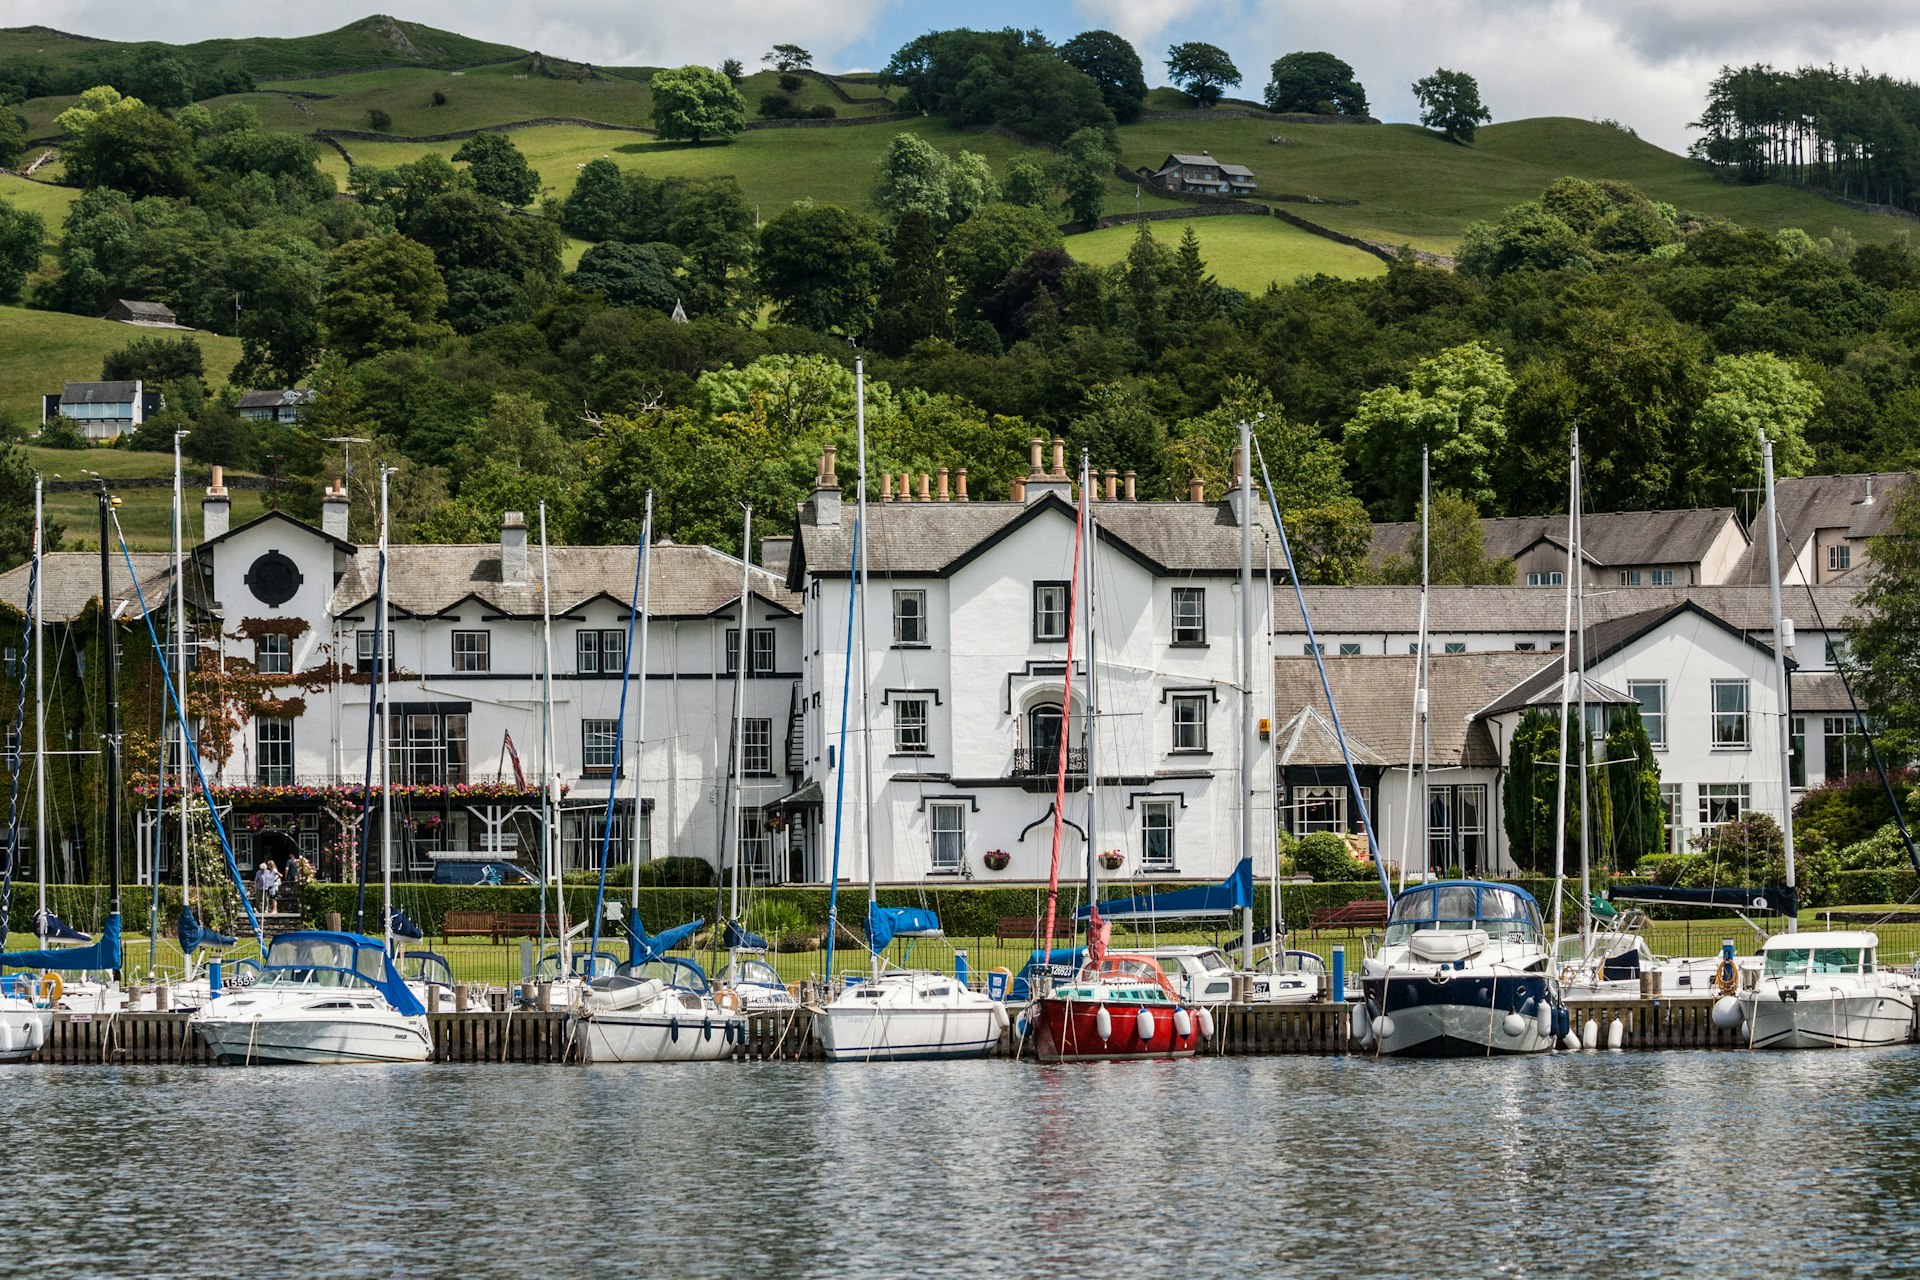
(215,511)
(961,479)
(906,487)
(1017,491)
(1037,444)
(926,492)
(826,492)
(1196,490)
(1113,484)
(1059,458)
(1128,478)
(1236,465)
(945,496)
(886,486)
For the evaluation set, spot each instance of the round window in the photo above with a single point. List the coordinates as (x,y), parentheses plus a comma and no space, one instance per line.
(273,579)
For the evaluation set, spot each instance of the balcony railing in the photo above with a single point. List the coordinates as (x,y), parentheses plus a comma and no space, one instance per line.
(1029,762)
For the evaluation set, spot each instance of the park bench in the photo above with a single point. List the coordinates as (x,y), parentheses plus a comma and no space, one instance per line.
(1027,928)
(1368,913)
(524,924)
(470,924)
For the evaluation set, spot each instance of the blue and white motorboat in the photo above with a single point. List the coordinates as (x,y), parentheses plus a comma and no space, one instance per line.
(1463,971)
(322,997)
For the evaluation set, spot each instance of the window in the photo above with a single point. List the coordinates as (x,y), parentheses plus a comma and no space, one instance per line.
(1349,648)
(1629,577)
(1313,650)
(1554,579)
(909,616)
(1043,735)
(583,837)
(1797,751)
(1049,611)
(1722,802)
(1660,577)
(472,651)
(1836,653)
(599,747)
(273,751)
(1189,722)
(1839,558)
(1156,835)
(947,825)
(1457,827)
(1525,646)
(363,651)
(910,727)
(1729,713)
(1652,697)
(1189,615)
(273,655)
(760,643)
(1454,646)
(601,652)
(1317,809)
(427,745)
(756,748)
(1670,801)
(1845,743)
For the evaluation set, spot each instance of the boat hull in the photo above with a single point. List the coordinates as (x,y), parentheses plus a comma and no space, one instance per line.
(271,1041)
(906,1033)
(22,1031)
(1863,1021)
(655,1037)
(1066,1030)
(1463,1017)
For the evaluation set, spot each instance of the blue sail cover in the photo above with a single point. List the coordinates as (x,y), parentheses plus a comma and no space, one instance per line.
(103,954)
(401,927)
(1235,893)
(642,947)
(738,939)
(58,930)
(884,924)
(193,935)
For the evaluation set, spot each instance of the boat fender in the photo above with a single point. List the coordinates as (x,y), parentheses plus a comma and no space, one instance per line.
(1362,1024)
(1590,1034)
(673,1030)
(1182,1023)
(1204,1017)
(1383,1027)
(1616,1034)
(36,1033)
(1020,1027)
(6,1036)
(1727,1013)
(1143,1024)
(1569,1041)
(1514,1025)
(999,1016)
(1563,1023)
(1543,1020)
(706,1028)
(1103,1023)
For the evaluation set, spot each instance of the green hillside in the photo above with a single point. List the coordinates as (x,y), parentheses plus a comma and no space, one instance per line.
(1242,253)
(375,40)
(41,349)
(146,515)
(45,199)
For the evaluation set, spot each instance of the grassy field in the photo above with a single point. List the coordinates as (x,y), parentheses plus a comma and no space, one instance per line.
(146,515)
(1243,253)
(369,41)
(43,198)
(41,349)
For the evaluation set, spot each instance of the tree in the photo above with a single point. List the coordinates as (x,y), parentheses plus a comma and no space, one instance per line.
(1082,169)
(1745,396)
(1886,633)
(733,71)
(155,360)
(1526,237)
(1455,406)
(1203,71)
(598,203)
(914,303)
(23,238)
(499,171)
(1195,295)
(129,146)
(379,121)
(630,275)
(1632,772)
(821,266)
(1318,83)
(788,58)
(16,507)
(13,138)
(694,103)
(1456,550)
(382,293)
(1450,102)
(914,176)
(1026,183)
(1114,67)
(983,249)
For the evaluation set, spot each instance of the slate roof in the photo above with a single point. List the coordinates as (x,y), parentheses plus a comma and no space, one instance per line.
(1811,503)
(930,539)
(99,392)
(1819,691)
(1612,538)
(70,581)
(275,399)
(687,582)
(1375,697)
(1363,610)
(146,312)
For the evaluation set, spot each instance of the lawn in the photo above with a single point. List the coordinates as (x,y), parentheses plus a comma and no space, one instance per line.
(41,349)
(1244,252)
(43,198)
(146,515)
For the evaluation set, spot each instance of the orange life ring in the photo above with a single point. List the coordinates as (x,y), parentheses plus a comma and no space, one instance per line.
(52,987)
(729,1000)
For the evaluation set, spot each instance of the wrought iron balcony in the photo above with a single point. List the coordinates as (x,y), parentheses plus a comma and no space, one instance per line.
(1029,762)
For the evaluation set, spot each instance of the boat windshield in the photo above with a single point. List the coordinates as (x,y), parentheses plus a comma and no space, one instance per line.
(425,966)
(1304,962)
(1786,960)
(321,962)
(751,973)
(686,977)
(1212,960)
(1505,914)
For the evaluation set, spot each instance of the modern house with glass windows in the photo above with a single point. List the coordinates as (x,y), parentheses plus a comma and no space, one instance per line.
(966,627)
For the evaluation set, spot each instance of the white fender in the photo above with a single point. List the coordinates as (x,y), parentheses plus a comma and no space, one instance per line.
(1182,1023)
(1727,1013)
(1570,1042)
(1000,1016)
(1144,1026)
(1362,1023)
(6,1036)
(1205,1018)
(1543,1019)
(1616,1034)
(1514,1025)
(36,1033)
(1383,1027)
(1590,1034)
(1103,1023)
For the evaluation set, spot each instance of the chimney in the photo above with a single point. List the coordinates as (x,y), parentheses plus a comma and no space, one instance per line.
(886,486)
(826,492)
(1236,497)
(1059,458)
(774,554)
(906,487)
(1127,477)
(944,495)
(961,479)
(1036,445)
(1113,484)
(1016,489)
(926,493)
(1040,482)
(513,550)
(333,511)
(215,511)
(1196,490)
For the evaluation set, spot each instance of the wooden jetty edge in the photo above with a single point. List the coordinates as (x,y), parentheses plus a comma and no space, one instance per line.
(163,1039)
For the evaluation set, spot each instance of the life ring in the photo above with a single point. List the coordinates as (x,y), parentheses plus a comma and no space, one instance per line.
(51,988)
(1567,975)
(1727,976)
(728,1000)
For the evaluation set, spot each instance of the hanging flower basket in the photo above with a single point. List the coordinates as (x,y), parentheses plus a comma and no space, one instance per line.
(996,859)
(1111,859)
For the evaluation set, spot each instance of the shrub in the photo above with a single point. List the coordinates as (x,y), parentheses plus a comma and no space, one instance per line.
(824,111)
(776,106)
(1847,810)
(1324,856)
(790,83)
(378,119)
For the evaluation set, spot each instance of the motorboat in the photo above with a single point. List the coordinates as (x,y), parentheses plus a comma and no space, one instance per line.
(660,1010)
(1463,971)
(1122,1005)
(1609,964)
(1824,990)
(907,1014)
(1204,975)
(26,1019)
(757,983)
(322,997)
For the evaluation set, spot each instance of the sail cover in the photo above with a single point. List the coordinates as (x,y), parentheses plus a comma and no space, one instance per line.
(1777,898)
(884,924)
(400,926)
(58,930)
(103,954)
(1064,962)
(736,938)
(642,947)
(1235,893)
(194,935)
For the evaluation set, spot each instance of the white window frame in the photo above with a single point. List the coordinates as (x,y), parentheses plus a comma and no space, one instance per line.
(1655,722)
(1629,577)
(272,654)
(910,725)
(1715,797)
(1660,577)
(1051,602)
(756,747)
(946,835)
(599,747)
(363,651)
(909,617)
(1673,799)
(1839,557)
(760,651)
(473,651)
(1547,578)
(1189,723)
(1157,825)
(1722,723)
(1349,648)
(1189,616)
(273,756)
(1317,808)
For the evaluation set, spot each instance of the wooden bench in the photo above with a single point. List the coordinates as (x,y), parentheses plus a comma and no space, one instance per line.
(1027,928)
(470,924)
(1368,913)
(524,924)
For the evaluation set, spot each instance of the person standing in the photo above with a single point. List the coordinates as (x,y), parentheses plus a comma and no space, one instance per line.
(266,884)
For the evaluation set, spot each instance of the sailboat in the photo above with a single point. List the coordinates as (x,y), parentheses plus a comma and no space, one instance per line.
(327,997)
(655,1007)
(26,1013)
(895,1014)
(1119,1005)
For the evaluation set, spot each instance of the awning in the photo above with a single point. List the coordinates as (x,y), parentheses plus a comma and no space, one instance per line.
(800,799)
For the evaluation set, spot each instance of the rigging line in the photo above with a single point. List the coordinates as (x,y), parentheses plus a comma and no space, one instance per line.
(854,585)
(619,737)
(1313,647)
(15,751)
(193,750)
(382,647)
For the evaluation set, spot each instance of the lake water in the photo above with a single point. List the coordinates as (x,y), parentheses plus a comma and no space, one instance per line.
(1668,1164)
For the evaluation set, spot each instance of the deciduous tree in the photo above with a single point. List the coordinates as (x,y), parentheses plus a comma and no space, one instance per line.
(499,171)
(1113,66)
(382,293)
(1203,71)
(695,103)
(1315,82)
(821,266)
(1455,406)
(1450,102)
(23,238)
(1886,632)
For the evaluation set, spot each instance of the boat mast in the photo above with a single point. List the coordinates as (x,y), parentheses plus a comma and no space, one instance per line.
(866,718)
(39,720)
(741,659)
(549,835)
(180,683)
(1249,722)
(1425,666)
(1566,677)
(1586,733)
(1416,727)
(1093,773)
(1275,943)
(640,712)
(383,637)
(1780,643)
(110,659)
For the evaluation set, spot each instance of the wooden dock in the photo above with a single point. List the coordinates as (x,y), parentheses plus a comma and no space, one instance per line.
(163,1039)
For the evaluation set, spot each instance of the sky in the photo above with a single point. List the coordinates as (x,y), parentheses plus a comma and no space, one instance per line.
(1644,63)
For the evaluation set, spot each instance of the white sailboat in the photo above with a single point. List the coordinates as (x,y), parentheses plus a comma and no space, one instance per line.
(892,1014)
(26,1016)
(326,997)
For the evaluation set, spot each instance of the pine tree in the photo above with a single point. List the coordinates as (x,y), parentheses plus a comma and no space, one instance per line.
(1194,298)
(1144,282)
(914,302)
